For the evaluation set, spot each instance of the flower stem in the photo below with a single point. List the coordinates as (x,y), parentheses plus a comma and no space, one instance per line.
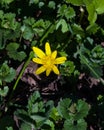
(50,29)
(20,75)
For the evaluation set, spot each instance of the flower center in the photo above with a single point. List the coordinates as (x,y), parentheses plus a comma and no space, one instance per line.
(48,61)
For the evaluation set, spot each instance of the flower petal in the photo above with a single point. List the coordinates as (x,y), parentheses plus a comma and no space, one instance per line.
(60,60)
(40,70)
(38,52)
(48,71)
(47,49)
(37,60)
(55,70)
(54,54)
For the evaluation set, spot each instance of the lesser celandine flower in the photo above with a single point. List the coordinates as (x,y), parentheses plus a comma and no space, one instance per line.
(48,60)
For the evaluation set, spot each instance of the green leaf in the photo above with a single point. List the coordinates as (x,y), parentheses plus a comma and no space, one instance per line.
(54,114)
(9,128)
(97,55)
(11,75)
(85,61)
(4,91)
(67,68)
(24,116)
(99,6)
(9,21)
(37,111)
(41,4)
(28,33)
(82,110)
(75,111)
(7,74)
(69,13)
(1,14)
(6,1)
(77,29)
(62,9)
(87,2)
(66,11)
(63,24)
(48,124)
(25,126)
(92,29)
(63,108)
(79,125)
(92,15)
(51,4)
(13,52)
(75,2)
(34,106)
(38,118)
(33,2)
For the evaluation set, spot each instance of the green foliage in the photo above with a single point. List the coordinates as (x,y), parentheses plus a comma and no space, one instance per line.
(92,17)
(6,2)
(92,29)
(99,6)
(9,28)
(63,107)
(74,113)
(94,70)
(63,24)
(75,2)
(33,2)
(93,60)
(80,125)
(4,91)
(97,55)
(66,11)
(25,126)
(51,4)
(8,21)
(13,52)
(6,122)
(7,74)
(75,29)
(9,128)
(55,114)
(37,114)
(70,110)
(94,8)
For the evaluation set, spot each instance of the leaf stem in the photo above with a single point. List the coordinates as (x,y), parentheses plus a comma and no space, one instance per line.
(93,71)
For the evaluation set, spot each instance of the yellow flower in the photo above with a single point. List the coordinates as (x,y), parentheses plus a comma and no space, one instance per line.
(48,60)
